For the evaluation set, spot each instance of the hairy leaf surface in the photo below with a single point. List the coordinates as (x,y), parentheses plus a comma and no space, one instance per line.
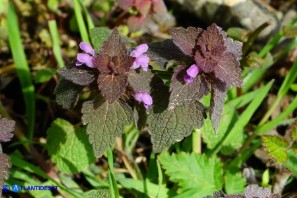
(140,80)
(82,77)
(6,129)
(218,96)
(219,54)
(67,93)
(68,147)
(195,172)
(104,122)
(276,147)
(163,52)
(172,125)
(111,86)
(228,70)
(114,46)
(186,93)
(185,39)
(98,36)
(4,168)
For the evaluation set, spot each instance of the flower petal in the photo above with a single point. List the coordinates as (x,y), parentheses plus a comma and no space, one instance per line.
(193,71)
(87,48)
(85,59)
(145,98)
(188,78)
(139,50)
(143,61)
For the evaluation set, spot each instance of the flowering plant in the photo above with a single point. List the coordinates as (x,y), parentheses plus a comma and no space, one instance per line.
(206,61)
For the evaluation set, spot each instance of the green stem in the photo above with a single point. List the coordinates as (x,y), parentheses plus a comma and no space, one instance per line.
(22,68)
(80,21)
(56,42)
(196,141)
(114,191)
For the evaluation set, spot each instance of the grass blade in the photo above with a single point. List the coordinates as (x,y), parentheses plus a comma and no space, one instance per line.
(80,21)
(56,42)
(114,191)
(22,68)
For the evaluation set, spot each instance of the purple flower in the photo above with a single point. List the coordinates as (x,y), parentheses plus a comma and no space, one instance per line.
(145,98)
(87,57)
(192,72)
(142,59)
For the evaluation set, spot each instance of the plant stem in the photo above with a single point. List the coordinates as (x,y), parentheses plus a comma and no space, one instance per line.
(196,141)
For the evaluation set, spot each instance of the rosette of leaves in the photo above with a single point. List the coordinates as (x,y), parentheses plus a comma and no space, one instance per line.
(112,84)
(6,129)
(217,57)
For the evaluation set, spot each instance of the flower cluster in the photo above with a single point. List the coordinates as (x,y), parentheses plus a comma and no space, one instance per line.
(141,61)
(87,57)
(192,72)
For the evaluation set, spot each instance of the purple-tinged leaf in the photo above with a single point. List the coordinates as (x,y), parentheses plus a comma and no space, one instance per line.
(114,46)
(82,77)
(143,6)
(6,129)
(219,54)
(163,52)
(67,93)
(228,70)
(104,122)
(185,39)
(252,191)
(112,86)
(218,96)
(185,93)
(173,125)
(140,80)
(4,169)
(234,47)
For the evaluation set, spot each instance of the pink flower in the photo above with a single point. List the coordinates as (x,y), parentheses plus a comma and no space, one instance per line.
(142,60)
(87,57)
(192,72)
(145,98)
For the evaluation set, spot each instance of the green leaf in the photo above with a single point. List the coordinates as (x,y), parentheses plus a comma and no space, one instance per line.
(185,93)
(78,76)
(276,147)
(145,187)
(98,36)
(172,125)
(69,147)
(194,171)
(43,75)
(234,183)
(291,163)
(212,139)
(140,80)
(102,193)
(105,122)
(67,93)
